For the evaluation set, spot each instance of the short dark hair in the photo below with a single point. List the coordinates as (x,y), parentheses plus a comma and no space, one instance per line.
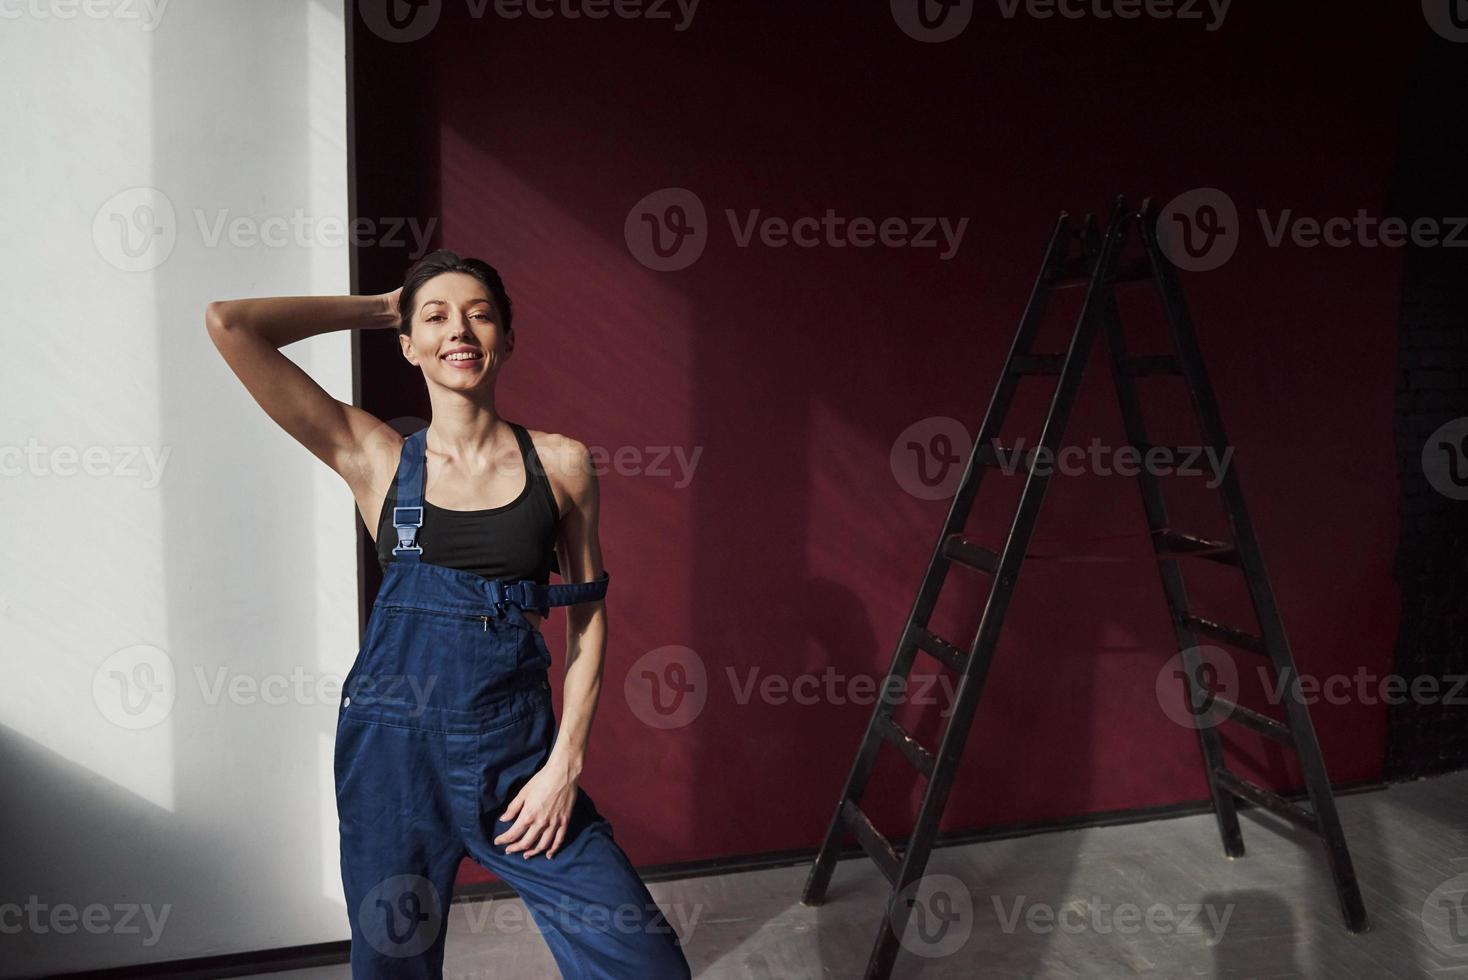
(439,262)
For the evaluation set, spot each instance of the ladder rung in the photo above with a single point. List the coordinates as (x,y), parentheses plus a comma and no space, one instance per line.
(916,753)
(1178,543)
(1250,718)
(943,651)
(1142,365)
(1036,363)
(872,841)
(1227,634)
(1267,799)
(960,549)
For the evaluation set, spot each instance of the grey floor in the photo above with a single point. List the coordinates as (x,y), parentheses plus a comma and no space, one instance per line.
(1154,899)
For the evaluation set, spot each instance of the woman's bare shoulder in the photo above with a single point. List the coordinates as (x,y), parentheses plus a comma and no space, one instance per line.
(565,458)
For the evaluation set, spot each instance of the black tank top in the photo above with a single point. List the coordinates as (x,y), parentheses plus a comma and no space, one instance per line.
(514,541)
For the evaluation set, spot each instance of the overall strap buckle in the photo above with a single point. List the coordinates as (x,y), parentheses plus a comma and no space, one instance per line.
(407,529)
(503,593)
(407,516)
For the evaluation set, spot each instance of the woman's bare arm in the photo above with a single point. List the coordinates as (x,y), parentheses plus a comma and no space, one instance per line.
(249,334)
(580,559)
(541,810)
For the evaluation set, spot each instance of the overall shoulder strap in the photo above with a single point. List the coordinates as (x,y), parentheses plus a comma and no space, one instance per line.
(407,516)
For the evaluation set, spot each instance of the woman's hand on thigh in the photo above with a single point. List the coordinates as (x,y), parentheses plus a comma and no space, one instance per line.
(541,812)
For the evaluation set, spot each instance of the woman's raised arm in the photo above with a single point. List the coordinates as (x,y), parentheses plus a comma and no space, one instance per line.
(249,334)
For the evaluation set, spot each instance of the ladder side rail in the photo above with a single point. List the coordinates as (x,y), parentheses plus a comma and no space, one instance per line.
(1174,589)
(1261,593)
(859,774)
(971,682)
(994,417)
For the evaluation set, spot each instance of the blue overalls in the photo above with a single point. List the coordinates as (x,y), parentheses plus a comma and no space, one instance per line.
(445,714)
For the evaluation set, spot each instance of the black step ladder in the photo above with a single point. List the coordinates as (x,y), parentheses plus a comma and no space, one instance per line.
(1086,257)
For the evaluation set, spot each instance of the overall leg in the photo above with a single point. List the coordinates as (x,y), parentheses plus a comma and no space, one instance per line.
(399,853)
(595,913)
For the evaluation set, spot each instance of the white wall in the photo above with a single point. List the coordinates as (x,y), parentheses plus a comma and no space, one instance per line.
(160,533)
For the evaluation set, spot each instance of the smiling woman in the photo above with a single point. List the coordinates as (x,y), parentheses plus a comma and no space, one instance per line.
(447,725)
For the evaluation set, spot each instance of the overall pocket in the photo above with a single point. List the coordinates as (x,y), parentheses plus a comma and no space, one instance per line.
(435,658)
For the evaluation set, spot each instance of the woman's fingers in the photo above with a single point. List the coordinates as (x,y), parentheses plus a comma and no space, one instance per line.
(542,839)
(513,812)
(556,844)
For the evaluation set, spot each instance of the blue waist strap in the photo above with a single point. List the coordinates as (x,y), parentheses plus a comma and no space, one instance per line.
(540,597)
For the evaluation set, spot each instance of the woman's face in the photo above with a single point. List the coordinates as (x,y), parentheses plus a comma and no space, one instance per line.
(455,335)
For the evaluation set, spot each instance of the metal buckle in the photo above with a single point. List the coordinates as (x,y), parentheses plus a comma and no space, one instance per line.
(407,530)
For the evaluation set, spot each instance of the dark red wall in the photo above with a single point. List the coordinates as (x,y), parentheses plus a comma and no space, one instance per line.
(794,549)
